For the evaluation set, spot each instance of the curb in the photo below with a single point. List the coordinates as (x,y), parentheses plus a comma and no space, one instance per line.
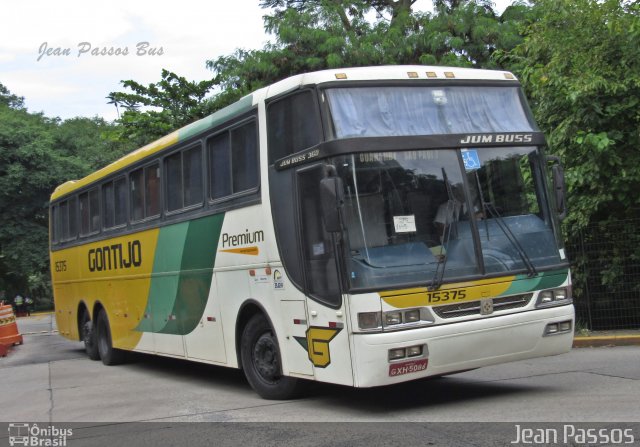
(606,340)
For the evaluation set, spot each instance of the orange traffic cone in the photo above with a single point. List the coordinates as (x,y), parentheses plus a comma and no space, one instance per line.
(9,334)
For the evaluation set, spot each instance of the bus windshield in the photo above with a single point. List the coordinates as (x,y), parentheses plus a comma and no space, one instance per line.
(434,215)
(420,110)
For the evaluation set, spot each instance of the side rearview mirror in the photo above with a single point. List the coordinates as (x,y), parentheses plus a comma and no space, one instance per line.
(331,200)
(559,186)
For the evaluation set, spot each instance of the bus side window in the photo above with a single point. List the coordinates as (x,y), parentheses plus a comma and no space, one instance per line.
(294,124)
(233,161)
(244,157)
(55,224)
(109,205)
(192,176)
(152,192)
(120,201)
(73,217)
(137,195)
(220,166)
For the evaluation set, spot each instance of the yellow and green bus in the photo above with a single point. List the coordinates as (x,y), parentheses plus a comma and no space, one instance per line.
(362,226)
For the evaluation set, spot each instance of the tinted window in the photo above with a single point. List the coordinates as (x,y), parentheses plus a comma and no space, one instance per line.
(220,165)
(94,209)
(173,169)
(184,179)
(244,157)
(120,199)
(192,176)
(109,205)
(317,246)
(294,124)
(84,214)
(73,218)
(64,220)
(233,161)
(55,224)
(152,190)
(137,195)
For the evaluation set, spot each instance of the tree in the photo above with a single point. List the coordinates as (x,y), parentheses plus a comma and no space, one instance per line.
(319,34)
(580,65)
(157,109)
(37,154)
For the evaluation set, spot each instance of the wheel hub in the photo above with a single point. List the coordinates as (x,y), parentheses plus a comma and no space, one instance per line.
(265,358)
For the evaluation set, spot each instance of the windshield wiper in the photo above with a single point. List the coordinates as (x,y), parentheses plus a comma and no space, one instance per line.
(493,212)
(438,276)
(450,218)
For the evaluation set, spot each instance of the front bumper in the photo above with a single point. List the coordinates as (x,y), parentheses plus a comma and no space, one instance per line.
(462,346)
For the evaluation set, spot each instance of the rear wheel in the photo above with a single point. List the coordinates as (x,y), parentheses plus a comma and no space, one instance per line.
(88,335)
(108,354)
(261,362)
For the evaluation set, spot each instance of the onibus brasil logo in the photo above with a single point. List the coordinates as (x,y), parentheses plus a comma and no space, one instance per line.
(32,435)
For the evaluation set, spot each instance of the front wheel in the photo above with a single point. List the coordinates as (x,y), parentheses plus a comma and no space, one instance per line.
(108,354)
(261,361)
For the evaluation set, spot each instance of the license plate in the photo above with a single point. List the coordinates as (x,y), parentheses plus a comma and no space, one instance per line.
(399,369)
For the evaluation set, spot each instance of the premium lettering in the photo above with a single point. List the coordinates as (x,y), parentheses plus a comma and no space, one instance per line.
(116,256)
(235,240)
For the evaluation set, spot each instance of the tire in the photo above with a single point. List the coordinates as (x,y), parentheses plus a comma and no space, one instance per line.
(261,362)
(89,338)
(108,354)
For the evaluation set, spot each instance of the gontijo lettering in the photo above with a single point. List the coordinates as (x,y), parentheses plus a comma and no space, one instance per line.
(114,257)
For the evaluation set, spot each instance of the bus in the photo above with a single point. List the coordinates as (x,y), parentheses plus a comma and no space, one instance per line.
(362,227)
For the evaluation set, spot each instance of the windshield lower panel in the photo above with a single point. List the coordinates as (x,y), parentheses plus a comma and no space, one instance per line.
(432,216)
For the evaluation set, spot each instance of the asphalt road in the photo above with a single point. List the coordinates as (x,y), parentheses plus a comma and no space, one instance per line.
(49,379)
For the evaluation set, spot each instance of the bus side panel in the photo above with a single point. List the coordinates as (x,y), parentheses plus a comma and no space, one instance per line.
(115,273)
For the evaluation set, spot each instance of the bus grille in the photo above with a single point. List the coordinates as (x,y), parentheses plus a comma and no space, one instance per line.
(473,307)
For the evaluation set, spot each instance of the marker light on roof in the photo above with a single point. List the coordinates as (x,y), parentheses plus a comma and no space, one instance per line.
(341,76)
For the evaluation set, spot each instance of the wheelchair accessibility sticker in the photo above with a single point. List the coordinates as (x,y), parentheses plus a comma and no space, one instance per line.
(470,159)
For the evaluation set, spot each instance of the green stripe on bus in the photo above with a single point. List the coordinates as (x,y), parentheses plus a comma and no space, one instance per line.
(237,108)
(523,284)
(164,280)
(196,272)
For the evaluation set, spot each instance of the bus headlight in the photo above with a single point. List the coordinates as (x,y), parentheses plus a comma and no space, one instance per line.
(554,297)
(412,316)
(391,318)
(369,320)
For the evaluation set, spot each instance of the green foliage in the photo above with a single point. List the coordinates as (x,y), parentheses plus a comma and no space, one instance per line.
(580,65)
(153,111)
(36,155)
(320,34)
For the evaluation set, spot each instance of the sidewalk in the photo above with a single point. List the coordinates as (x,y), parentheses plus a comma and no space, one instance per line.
(607,338)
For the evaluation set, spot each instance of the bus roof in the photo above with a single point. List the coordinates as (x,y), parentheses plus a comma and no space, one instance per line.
(390,72)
